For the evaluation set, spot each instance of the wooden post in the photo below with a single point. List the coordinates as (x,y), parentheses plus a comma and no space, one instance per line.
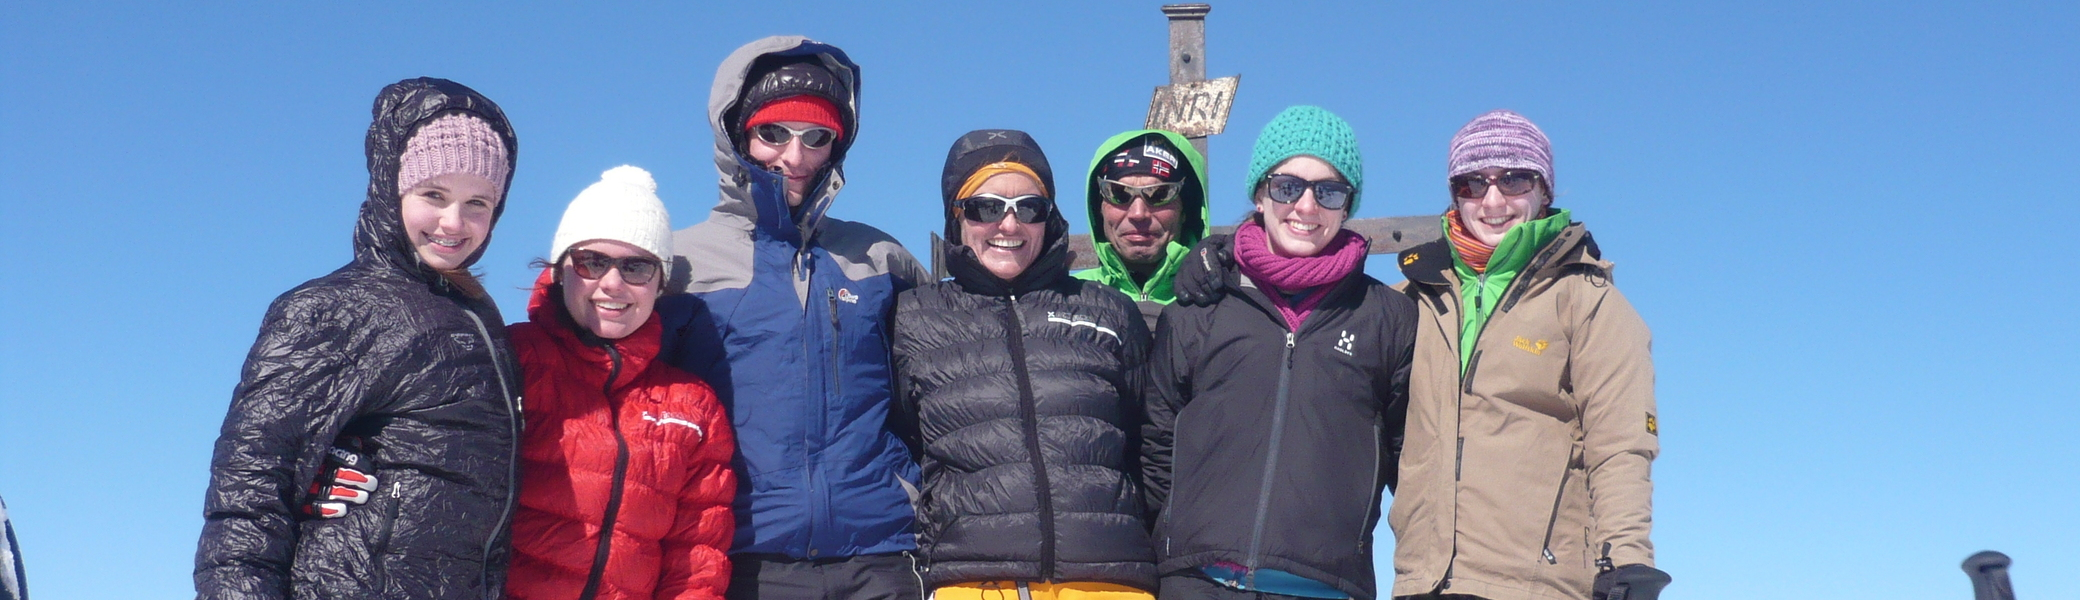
(1188,49)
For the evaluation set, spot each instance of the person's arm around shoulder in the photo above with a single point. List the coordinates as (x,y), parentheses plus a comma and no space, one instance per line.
(1612,371)
(696,551)
(299,387)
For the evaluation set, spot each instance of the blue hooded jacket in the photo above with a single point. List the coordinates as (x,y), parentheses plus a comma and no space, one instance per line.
(786,313)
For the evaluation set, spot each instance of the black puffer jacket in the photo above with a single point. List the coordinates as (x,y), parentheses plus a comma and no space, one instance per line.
(386,349)
(1270,448)
(1026,398)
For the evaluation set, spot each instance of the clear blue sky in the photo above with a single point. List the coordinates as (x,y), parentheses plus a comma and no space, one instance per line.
(1832,214)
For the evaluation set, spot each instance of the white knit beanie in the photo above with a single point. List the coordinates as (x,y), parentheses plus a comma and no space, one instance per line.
(622,207)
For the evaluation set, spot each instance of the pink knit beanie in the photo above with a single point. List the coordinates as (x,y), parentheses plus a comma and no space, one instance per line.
(453,143)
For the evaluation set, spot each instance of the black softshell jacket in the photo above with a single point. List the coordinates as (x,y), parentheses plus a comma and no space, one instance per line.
(386,349)
(1026,399)
(1270,448)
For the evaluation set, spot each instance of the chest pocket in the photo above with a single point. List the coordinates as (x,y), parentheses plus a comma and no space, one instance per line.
(1524,359)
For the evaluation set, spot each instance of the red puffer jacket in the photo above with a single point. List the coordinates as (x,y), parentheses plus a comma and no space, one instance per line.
(653,448)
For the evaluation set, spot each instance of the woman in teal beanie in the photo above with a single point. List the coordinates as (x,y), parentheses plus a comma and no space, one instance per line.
(1266,472)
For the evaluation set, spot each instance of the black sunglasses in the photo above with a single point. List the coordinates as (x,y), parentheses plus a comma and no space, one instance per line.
(1120,194)
(1328,193)
(1513,182)
(812,138)
(991,208)
(635,270)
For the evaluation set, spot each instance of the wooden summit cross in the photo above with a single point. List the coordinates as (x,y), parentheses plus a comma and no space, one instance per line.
(1197,107)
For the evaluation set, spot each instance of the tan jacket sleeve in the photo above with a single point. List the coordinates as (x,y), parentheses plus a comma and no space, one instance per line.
(1612,374)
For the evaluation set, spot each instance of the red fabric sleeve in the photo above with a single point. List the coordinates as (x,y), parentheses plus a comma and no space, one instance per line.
(696,552)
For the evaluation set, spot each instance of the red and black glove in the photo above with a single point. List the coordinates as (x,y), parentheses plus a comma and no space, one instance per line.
(347,478)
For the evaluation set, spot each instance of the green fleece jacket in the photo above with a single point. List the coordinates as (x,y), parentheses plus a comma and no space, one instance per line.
(1111,270)
(1484,290)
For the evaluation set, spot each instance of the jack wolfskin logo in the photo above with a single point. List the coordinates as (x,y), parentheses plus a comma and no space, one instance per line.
(1653,427)
(1536,348)
(467,341)
(1409,260)
(1345,340)
(846,296)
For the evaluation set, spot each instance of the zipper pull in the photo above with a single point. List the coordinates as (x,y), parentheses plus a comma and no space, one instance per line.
(1289,340)
(833,298)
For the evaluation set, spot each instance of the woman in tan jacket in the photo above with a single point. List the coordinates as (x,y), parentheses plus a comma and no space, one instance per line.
(1525,471)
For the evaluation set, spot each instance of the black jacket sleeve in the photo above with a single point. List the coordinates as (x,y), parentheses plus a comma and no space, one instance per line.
(1399,331)
(1167,390)
(298,389)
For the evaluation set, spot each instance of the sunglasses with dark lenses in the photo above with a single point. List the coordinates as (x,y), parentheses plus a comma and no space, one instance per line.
(1328,193)
(1157,194)
(812,138)
(1512,182)
(991,208)
(635,270)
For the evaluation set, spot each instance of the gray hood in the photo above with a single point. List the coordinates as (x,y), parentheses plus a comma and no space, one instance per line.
(752,197)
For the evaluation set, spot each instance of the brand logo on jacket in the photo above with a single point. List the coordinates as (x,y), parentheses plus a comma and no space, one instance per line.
(1537,348)
(1409,260)
(1345,342)
(1080,321)
(670,419)
(468,341)
(1653,427)
(846,296)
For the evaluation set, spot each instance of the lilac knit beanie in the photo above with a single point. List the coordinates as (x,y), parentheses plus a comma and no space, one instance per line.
(453,143)
(1504,139)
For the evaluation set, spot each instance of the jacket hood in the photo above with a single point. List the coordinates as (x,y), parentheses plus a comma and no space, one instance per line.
(1189,232)
(753,197)
(400,109)
(971,152)
(638,350)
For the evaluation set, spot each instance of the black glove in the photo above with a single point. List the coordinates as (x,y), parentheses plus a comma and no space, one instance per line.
(1630,582)
(348,477)
(1202,274)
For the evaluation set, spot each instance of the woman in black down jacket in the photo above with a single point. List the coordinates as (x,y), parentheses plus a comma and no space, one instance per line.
(1024,386)
(398,353)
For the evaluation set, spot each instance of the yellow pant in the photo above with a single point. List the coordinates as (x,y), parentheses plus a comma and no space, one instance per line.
(1009,590)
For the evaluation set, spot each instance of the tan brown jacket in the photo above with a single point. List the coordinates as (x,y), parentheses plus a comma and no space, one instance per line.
(1515,477)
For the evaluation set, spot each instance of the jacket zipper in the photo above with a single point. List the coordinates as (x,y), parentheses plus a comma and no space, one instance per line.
(1546,547)
(382,547)
(1278,429)
(1029,413)
(1378,457)
(606,528)
(512,453)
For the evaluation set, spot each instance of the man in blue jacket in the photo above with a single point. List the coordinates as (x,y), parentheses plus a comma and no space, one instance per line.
(785,311)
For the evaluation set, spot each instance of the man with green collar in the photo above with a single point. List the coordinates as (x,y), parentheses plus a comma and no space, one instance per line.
(1147,202)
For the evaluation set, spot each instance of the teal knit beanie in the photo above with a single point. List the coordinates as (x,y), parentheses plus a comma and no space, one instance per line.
(1312,131)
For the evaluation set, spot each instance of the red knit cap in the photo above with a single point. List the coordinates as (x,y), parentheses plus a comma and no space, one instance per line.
(802,108)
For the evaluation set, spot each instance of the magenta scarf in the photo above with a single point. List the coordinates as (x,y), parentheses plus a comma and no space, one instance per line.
(1284,275)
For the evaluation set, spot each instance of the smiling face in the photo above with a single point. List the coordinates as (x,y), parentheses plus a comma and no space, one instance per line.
(1490,216)
(1005,247)
(1140,233)
(1302,228)
(794,160)
(448,217)
(608,306)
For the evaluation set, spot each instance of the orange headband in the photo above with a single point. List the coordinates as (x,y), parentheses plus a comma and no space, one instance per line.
(994,169)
